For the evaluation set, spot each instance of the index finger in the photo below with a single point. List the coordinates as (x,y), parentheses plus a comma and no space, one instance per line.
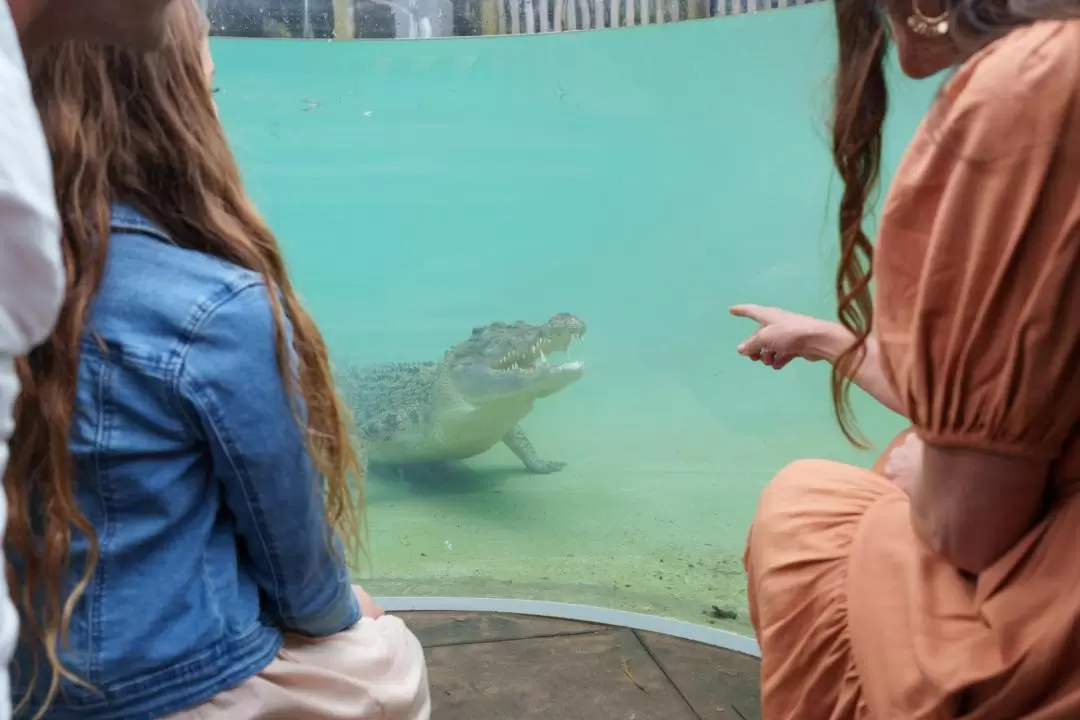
(753,312)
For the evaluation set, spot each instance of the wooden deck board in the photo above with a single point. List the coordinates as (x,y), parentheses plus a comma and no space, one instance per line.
(492,666)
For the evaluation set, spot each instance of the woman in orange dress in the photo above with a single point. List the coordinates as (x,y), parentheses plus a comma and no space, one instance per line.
(957,593)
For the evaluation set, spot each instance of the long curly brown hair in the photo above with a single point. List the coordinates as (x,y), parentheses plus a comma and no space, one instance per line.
(142,128)
(861,101)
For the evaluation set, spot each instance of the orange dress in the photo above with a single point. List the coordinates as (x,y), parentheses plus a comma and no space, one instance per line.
(978,318)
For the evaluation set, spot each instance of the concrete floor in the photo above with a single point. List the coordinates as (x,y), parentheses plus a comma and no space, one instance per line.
(486,666)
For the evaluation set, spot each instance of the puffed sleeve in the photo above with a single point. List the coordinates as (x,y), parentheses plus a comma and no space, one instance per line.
(978,276)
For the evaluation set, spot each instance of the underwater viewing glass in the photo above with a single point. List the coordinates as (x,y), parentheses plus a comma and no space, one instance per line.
(522,251)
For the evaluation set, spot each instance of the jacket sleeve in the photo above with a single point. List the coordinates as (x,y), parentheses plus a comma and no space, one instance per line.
(230,374)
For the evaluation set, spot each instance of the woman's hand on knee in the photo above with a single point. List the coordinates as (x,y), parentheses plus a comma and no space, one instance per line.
(783,336)
(368,608)
(904,462)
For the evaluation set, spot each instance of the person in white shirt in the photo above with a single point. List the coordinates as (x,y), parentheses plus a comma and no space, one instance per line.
(31,273)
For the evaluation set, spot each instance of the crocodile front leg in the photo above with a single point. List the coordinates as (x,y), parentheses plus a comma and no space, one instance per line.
(520,446)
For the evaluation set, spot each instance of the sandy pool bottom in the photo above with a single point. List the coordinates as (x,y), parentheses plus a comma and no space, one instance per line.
(639,520)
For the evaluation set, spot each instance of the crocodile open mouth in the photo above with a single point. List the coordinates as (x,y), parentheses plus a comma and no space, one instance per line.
(537,355)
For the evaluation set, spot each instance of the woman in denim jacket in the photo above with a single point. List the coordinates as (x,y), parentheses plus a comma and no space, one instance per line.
(181,507)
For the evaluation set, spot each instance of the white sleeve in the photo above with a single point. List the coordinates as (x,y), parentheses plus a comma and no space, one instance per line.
(31,271)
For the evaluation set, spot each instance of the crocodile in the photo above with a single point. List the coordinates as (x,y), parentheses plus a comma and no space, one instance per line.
(465,404)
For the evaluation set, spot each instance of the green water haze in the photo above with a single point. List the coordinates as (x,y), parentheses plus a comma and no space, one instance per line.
(642,179)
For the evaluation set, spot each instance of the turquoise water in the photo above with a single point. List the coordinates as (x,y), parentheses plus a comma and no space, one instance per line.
(642,179)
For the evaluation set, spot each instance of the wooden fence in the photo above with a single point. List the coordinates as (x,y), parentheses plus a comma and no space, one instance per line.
(407,19)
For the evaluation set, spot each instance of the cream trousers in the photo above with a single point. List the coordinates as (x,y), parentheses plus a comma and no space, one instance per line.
(376,670)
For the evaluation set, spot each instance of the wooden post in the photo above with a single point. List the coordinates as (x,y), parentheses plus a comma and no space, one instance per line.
(489,17)
(344,22)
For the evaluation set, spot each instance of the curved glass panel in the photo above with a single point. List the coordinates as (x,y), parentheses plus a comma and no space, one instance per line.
(643,181)
(414,19)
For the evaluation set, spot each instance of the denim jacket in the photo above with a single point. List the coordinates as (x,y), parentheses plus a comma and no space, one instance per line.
(193,470)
